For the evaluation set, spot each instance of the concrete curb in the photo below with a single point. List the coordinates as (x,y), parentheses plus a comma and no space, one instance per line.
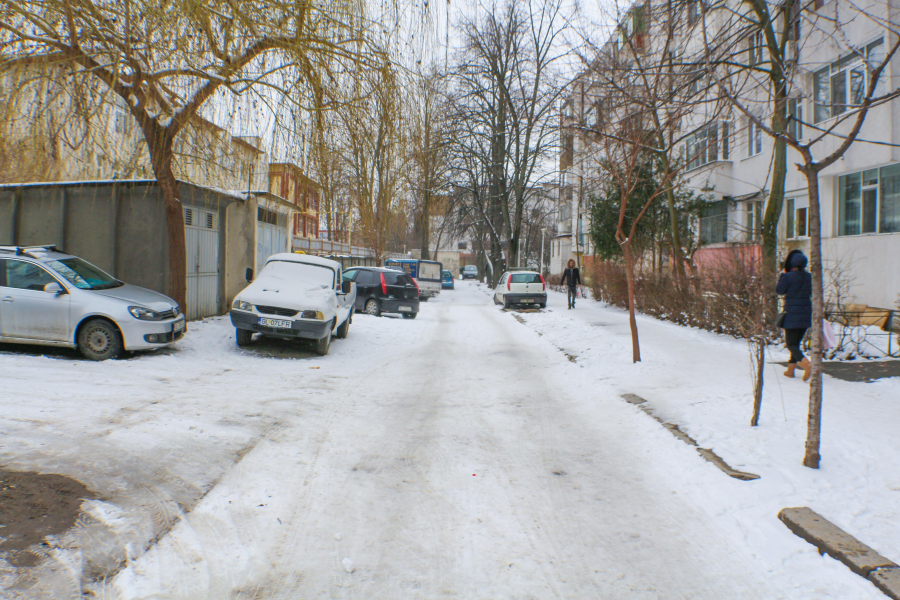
(837,543)
(706,453)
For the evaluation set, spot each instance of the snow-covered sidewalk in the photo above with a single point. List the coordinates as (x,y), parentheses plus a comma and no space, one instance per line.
(702,382)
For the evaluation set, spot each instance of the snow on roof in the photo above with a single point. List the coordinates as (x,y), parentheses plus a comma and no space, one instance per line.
(309,259)
(86,182)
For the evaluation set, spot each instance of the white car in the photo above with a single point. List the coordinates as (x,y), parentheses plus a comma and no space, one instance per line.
(295,296)
(521,287)
(51,298)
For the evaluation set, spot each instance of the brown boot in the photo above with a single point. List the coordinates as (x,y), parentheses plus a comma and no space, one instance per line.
(790,370)
(807,368)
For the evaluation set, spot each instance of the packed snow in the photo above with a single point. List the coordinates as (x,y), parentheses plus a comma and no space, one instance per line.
(459,455)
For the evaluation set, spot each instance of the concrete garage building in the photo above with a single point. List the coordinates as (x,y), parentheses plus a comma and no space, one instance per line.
(120,226)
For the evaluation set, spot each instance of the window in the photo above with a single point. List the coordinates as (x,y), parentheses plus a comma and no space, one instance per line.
(460,245)
(842,85)
(754,48)
(795,118)
(869,202)
(26,276)
(714,223)
(797,218)
(121,115)
(266,216)
(754,138)
(83,274)
(754,220)
(707,144)
(693,11)
(525,278)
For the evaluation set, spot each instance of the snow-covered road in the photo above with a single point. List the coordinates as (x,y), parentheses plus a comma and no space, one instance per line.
(459,455)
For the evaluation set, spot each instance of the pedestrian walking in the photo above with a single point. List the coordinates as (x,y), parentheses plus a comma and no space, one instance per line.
(795,284)
(573,278)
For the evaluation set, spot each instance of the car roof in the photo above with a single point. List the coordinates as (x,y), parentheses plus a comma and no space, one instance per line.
(374,269)
(308,259)
(471,267)
(34,252)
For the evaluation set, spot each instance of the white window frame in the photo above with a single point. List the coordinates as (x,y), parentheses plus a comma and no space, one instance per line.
(698,150)
(796,211)
(754,138)
(847,72)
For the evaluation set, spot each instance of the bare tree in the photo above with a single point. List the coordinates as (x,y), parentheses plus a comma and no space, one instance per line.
(166,61)
(505,96)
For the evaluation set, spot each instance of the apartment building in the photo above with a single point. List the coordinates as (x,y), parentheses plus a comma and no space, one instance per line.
(728,159)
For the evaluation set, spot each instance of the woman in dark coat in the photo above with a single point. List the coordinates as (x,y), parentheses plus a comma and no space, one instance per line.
(795,284)
(573,278)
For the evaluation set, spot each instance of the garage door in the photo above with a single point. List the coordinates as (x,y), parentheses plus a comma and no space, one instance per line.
(201,238)
(270,239)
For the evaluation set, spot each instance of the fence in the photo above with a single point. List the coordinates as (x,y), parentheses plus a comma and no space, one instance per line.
(331,248)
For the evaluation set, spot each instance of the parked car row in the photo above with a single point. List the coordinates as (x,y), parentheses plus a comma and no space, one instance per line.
(48,297)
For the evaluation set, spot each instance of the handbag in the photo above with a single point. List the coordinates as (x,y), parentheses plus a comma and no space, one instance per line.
(779,320)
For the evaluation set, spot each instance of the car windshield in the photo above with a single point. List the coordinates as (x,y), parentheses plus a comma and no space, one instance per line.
(447,274)
(296,272)
(83,274)
(526,278)
(471,268)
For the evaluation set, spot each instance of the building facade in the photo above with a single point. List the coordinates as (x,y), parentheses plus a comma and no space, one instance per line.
(728,159)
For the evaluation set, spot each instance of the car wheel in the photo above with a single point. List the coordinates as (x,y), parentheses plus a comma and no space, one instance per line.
(409,315)
(243,337)
(99,340)
(324,344)
(544,305)
(344,330)
(506,303)
(424,298)
(372,307)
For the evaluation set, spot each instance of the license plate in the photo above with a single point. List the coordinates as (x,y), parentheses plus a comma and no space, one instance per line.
(277,323)
(178,326)
(527,300)
(406,309)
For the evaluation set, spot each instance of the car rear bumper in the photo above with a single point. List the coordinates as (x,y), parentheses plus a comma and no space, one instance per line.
(312,330)
(393,305)
(539,298)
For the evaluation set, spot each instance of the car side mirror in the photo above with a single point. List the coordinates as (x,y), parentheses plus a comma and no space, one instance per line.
(54,288)
(249,275)
(346,286)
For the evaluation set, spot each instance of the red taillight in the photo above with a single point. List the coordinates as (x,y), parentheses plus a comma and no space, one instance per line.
(415,284)
(543,283)
(383,285)
(509,283)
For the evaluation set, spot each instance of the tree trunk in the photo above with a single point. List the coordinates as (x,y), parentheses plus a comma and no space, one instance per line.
(629,275)
(760,343)
(675,236)
(814,419)
(168,187)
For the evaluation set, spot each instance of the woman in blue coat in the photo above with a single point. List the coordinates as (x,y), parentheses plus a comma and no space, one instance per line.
(795,284)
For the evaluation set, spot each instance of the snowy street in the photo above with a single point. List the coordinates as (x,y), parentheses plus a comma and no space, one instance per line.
(469,453)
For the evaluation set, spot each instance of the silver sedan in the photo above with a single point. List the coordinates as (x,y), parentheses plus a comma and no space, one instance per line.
(56,299)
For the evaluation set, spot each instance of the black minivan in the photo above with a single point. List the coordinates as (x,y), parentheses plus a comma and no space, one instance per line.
(381,290)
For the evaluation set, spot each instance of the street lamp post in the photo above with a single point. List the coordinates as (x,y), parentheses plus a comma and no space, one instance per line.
(543,232)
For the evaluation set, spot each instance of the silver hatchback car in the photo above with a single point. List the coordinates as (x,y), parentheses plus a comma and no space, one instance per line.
(51,298)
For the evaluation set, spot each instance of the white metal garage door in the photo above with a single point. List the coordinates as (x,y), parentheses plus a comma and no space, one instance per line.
(270,239)
(201,238)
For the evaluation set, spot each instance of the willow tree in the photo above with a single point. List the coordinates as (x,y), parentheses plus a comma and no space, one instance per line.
(166,61)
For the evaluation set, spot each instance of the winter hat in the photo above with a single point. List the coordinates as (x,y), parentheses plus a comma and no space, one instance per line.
(799,260)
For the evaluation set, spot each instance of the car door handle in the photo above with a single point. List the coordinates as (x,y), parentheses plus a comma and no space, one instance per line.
(8,299)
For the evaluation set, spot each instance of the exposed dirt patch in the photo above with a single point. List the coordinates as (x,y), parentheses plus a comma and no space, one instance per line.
(33,506)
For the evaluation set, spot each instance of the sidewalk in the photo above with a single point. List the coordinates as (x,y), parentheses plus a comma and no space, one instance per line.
(701,382)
